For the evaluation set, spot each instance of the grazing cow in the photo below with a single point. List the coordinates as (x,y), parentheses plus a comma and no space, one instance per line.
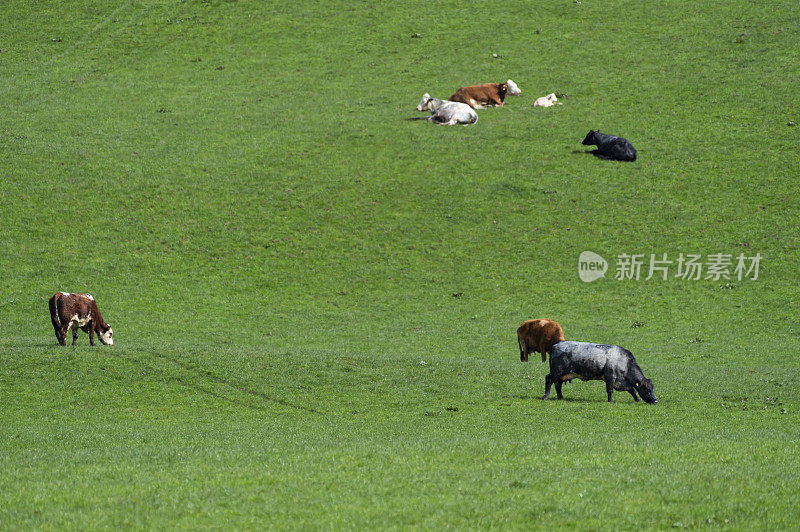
(538,335)
(485,95)
(445,112)
(78,311)
(610,147)
(546,101)
(610,363)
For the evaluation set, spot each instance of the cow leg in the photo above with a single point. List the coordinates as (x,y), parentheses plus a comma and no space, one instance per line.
(543,350)
(548,381)
(74,336)
(609,387)
(559,382)
(524,351)
(59,337)
(91,334)
(635,398)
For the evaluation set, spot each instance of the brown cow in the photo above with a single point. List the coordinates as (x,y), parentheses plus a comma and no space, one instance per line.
(485,95)
(538,335)
(78,311)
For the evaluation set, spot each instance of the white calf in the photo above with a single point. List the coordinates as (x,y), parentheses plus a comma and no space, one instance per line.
(447,113)
(546,101)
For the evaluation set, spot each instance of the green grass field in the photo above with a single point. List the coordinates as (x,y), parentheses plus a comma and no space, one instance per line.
(315,300)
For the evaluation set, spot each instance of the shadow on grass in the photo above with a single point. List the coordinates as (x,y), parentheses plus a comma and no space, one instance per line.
(590,152)
(587,401)
(48,345)
(197,372)
(538,399)
(52,344)
(596,153)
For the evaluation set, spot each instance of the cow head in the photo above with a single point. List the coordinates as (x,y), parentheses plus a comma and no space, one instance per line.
(590,138)
(513,90)
(106,337)
(423,103)
(645,390)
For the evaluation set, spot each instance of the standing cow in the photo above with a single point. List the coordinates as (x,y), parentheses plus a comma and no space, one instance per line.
(538,335)
(78,311)
(609,363)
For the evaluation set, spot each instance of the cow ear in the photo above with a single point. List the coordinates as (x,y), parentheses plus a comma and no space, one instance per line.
(637,384)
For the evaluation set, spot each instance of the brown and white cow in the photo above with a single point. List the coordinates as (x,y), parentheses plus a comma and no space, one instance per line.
(538,335)
(485,95)
(78,311)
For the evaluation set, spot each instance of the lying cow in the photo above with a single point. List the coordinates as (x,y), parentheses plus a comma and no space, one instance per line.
(485,95)
(78,311)
(610,147)
(538,335)
(445,112)
(610,363)
(546,101)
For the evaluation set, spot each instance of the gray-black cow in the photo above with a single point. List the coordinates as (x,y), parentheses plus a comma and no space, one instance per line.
(610,146)
(610,363)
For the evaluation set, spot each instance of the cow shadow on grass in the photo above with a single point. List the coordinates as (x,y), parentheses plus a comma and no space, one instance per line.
(534,398)
(52,344)
(592,152)
(597,154)
(48,346)
(572,400)
(594,400)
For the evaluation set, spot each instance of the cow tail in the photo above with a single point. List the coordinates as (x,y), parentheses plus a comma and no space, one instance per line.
(54,311)
(59,309)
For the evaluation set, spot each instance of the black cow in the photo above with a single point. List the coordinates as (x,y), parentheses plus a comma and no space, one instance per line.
(610,147)
(610,363)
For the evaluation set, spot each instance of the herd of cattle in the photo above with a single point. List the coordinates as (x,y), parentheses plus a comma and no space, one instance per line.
(568,360)
(610,363)
(460,109)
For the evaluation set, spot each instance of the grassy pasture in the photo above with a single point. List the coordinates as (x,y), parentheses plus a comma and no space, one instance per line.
(315,300)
